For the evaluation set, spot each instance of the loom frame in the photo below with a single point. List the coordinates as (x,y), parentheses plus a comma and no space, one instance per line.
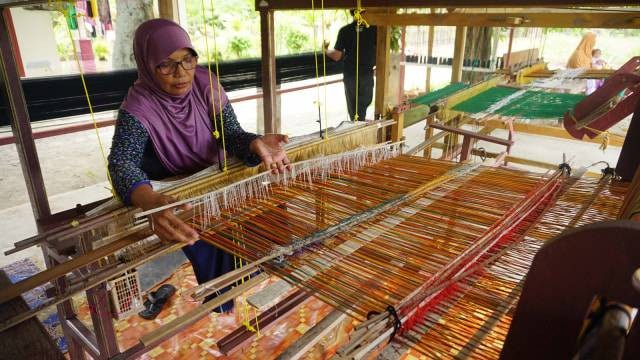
(102,343)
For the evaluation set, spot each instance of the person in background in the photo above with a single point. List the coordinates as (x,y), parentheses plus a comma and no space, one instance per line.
(581,56)
(596,63)
(361,64)
(165,128)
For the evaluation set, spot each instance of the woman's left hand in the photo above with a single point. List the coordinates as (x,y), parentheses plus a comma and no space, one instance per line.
(269,148)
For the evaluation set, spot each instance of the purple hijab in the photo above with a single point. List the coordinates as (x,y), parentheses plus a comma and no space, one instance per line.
(180,127)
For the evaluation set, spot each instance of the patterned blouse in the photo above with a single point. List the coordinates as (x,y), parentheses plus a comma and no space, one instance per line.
(133,160)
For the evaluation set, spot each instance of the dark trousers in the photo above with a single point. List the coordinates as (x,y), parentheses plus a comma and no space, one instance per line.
(365,93)
(208,263)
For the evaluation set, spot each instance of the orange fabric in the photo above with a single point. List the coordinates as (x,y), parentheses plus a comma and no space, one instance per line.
(581,57)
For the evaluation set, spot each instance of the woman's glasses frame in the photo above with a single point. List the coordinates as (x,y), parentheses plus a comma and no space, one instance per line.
(169,67)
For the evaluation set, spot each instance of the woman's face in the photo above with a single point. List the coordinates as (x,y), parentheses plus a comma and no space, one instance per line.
(175,73)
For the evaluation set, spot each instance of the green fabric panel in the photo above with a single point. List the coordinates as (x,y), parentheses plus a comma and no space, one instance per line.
(530,105)
(436,95)
(485,99)
(541,105)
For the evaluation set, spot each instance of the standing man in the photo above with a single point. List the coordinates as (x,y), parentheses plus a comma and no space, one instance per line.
(361,64)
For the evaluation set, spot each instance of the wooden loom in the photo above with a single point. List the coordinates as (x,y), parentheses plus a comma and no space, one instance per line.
(432,242)
(430,195)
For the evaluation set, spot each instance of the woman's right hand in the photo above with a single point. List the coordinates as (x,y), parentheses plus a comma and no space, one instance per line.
(165,223)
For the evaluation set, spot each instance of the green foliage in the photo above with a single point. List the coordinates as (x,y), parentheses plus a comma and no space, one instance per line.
(296,40)
(101,49)
(238,45)
(65,51)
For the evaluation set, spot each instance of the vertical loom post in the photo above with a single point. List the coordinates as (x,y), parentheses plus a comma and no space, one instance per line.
(397,129)
(431,35)
(20,122)
(267,28)
(458,54)
(507,61)
(427,136)
(168,9)
(629,161)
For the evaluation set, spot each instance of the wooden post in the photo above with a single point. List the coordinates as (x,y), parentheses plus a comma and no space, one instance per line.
(466,148)
(427,136)
(271,123)
(458,54)
(507,61)
(432,33)
(403,58)
(397,129)
(382,74)
(20,122)
(168,9)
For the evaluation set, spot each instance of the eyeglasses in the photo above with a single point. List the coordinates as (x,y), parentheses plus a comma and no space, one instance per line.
(169,67)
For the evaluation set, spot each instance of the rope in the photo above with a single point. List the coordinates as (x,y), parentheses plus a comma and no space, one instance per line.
(66,13)
(216,134)
(315,58)
(357,16)
(605,134)
(324,75)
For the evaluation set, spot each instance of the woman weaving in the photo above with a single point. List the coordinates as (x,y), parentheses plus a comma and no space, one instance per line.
(165,128)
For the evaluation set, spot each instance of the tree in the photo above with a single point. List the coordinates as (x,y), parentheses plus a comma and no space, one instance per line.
(478,50)
(130,14)
(239,45)
(296,40)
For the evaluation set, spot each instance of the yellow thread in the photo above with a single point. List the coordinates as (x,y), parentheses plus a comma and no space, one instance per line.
(215,132)
(215,56)
(357,16)
(60,8)
(324,76)
(605,134)
(245,316)
(255,313)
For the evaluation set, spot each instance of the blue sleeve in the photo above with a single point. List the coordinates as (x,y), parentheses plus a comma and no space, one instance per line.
(237,140)
(125,160)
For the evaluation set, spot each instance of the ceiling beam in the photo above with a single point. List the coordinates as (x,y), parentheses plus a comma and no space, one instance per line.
(607,20)
(342,4)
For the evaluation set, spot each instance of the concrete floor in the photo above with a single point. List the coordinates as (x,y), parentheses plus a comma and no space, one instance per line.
(74,171)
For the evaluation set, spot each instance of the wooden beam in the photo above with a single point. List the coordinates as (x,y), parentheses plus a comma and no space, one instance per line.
(341,4)
(168,9)
(313,336)
(267,31)
(382,72)
(458,54)
(467,133)
(397,129)
(553,131)
(11,90)
(608,20)
(587,74)
(431,35)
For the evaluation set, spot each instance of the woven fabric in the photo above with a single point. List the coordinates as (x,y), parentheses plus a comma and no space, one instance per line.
(530,105)
(436,95)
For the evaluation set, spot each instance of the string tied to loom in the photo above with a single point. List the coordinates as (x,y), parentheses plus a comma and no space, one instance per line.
(397,323)
(565,168)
